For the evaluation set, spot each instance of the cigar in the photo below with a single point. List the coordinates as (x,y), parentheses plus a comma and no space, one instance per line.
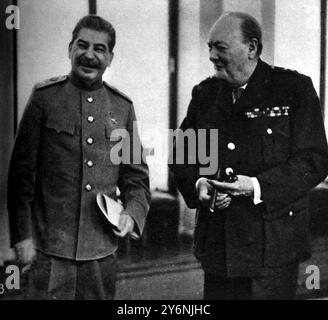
(215,192)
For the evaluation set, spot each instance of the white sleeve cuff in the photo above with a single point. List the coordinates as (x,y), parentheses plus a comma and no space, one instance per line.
(197,182)
(257,191)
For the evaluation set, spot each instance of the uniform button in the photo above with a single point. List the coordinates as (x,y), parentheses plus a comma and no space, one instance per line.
(88,187)
(90,141)
(269,131)
(231,146)
(291,213)
(91,119)
(90,164)
(90,99)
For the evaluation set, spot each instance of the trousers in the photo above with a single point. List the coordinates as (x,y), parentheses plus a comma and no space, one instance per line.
(53,278)
(279,283)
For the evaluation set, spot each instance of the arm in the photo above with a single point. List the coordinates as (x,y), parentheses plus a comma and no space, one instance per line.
(134,185)
(22,173)
(186,175)
(308,161)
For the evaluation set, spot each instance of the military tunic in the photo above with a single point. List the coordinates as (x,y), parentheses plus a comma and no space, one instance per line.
(62,159)
(275,133)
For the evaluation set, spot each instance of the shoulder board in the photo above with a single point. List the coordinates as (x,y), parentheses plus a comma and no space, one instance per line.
(285,70)
(208,80)
(50,82)
(118,92)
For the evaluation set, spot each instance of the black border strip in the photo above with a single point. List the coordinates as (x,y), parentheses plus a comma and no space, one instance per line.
(323,52)
(173,72)
(92,6)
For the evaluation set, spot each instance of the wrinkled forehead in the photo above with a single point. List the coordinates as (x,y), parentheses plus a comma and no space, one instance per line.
(226,29)
(93,36)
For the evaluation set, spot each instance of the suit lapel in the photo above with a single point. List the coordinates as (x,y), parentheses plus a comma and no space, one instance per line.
(257,88)
(216,106)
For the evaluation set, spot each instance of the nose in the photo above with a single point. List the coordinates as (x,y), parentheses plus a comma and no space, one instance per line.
(89,53)
(213,56)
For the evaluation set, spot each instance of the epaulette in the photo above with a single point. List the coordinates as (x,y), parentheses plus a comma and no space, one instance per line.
(208,80)
(285,70)
(50,82)
(118,92)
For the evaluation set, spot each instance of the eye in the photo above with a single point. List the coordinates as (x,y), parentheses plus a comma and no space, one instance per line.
(82,45)
(220,48)
(100,49)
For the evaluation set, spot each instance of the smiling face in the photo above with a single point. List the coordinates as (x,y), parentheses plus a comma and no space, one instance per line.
(90,55)
(234,59)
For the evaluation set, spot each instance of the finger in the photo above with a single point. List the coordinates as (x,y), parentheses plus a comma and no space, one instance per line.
(125,226)
(121,223)
(119,234)
(223,186)
(26,268)
(221,196)
(31,255)
(204,196)
(223,202)
(223,206)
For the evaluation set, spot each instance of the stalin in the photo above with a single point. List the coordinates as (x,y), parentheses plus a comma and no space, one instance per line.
(61,160)
(252,231)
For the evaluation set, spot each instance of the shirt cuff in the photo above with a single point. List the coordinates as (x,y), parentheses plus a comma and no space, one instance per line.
(257,191)
(197,182)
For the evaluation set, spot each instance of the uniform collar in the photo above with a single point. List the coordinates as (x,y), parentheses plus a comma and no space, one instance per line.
(257,87)
(81,85)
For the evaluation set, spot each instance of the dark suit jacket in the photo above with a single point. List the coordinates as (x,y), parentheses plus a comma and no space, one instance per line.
(62,159)
(277,129)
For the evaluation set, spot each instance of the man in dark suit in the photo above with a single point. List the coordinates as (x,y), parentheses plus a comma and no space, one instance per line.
(271,136)
(63,156)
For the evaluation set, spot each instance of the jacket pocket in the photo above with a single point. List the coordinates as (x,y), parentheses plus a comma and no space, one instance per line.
(268,141)
(61,125)
(287,237)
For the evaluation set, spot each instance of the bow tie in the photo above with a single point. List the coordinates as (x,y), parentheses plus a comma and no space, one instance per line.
(236,93)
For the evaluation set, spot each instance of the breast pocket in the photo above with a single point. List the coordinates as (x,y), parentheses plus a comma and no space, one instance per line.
(61,126)
(268,140)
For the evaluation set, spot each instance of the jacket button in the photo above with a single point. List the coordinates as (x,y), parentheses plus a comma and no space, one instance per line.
(91,119)
(90,141)
(231,146)
(90,164)
(88,187)
(291,213)
(269,131)
(90,99)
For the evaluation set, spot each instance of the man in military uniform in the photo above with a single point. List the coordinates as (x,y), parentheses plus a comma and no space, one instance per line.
(61,160)
(271,136)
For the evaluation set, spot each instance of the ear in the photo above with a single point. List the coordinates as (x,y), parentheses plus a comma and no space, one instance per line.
(110,58)
(252,48)
(69,50)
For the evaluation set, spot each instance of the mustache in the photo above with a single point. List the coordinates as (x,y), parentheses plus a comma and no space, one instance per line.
(86,62)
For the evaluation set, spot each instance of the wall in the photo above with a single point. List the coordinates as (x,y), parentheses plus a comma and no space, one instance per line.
(297,34)
(43,41)
(140,69)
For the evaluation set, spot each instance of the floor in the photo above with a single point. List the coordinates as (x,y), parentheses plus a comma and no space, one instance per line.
(171,272)
(174,274)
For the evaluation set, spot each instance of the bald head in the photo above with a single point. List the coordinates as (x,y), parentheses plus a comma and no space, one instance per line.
(233,49)
(250,27)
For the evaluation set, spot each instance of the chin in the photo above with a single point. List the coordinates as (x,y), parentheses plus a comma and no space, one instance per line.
(221,75)
(88,76)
